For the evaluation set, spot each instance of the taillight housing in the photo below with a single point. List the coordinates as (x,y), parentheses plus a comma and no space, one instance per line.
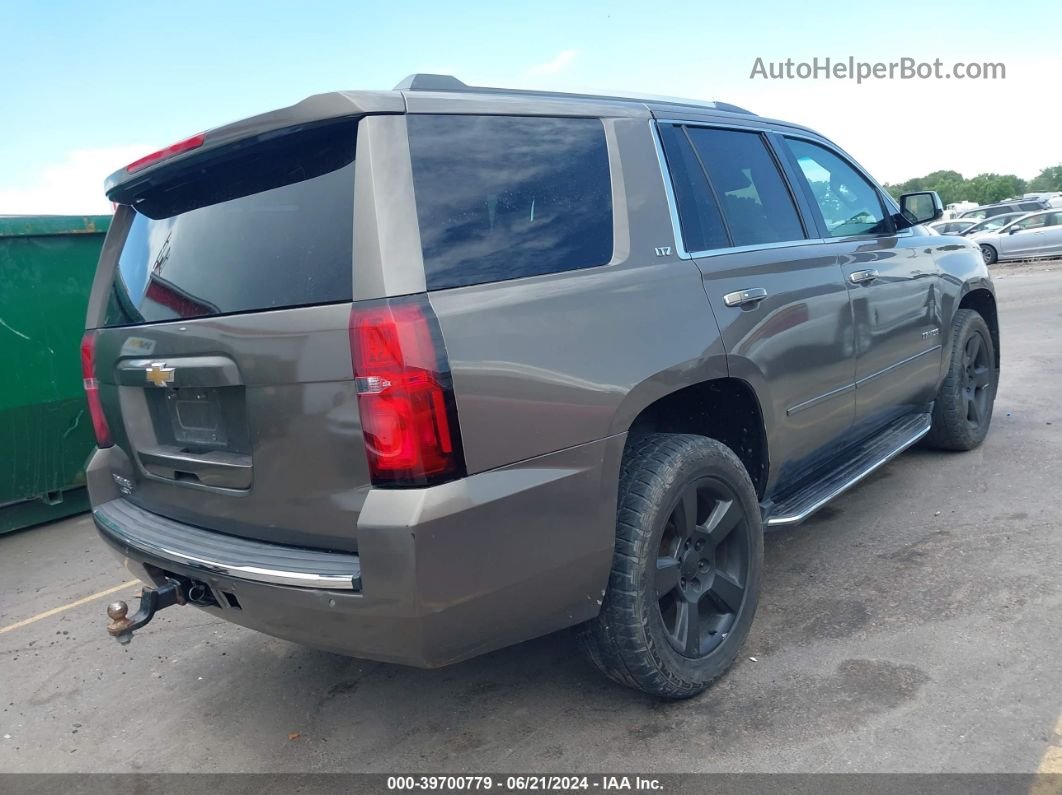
(405,393)
(92,390)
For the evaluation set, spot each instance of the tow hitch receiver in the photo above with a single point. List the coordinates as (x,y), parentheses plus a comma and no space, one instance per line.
(151,601)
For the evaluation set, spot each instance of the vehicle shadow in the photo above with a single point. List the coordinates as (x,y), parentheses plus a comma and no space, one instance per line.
(541,705)
(856,579)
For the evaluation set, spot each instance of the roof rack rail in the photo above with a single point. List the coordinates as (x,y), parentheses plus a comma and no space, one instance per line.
(431,82)
(427,82)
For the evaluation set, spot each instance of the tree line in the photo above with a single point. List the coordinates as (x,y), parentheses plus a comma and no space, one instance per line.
(982,189)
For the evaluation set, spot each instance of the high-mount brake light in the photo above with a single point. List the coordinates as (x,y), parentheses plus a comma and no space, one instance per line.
(186,145)
(405,393)
(92,390)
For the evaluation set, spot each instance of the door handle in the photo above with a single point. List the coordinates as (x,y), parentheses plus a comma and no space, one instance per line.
(753,295)
(862,277)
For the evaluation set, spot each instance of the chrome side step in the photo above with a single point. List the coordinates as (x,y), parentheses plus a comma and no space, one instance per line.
(798,506)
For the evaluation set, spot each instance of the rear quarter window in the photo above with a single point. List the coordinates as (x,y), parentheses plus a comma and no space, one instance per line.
(504,197)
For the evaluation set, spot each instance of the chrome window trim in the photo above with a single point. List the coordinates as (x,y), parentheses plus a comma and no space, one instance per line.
(672,203)
(669,190)
(716,252)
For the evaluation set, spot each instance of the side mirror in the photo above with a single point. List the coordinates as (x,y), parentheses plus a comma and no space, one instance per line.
(921,208)
(1013,230)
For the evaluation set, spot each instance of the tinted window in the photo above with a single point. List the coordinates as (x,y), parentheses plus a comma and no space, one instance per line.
(850,205)
(501,197)
(702,224)
(266,226)
(755,201)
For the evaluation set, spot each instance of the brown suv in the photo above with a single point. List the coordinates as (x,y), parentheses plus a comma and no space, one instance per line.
(416,374)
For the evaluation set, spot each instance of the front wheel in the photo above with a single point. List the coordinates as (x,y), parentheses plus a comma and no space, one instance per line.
(989,253)
(962,411)
(685,578)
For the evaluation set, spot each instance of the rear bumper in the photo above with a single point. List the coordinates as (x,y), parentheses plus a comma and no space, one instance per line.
(131,527)
(441,574)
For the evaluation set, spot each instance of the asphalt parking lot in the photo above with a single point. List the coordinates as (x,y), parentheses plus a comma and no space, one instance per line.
(913,625)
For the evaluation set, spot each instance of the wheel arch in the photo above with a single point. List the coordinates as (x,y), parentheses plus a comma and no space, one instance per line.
(983,301)
(726,409)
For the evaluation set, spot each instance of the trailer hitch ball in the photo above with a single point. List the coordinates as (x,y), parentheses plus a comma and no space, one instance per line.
(116,612)
(122,625)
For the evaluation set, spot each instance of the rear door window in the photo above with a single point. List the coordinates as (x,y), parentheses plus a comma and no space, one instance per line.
(504,197)
(728,189)
(268,225)
(752,194)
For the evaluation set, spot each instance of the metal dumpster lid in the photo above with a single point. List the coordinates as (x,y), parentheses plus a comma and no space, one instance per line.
(29,225)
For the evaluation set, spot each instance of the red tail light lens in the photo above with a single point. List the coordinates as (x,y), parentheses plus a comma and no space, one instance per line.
(92,390)
(405,393)
(173,149)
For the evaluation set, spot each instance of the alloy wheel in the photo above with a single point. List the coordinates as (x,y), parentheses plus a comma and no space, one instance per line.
(702,567)
(977,378)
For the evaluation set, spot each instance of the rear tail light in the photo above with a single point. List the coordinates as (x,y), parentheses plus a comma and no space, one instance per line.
(163,154)
(405,393)
(92,390)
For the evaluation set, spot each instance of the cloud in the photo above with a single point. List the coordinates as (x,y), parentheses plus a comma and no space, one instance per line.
(72,186)
(560,62)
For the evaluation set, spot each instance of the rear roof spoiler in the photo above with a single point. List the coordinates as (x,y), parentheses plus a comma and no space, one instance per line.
(122,186)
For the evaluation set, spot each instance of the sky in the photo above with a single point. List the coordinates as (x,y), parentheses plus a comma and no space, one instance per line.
(90,87)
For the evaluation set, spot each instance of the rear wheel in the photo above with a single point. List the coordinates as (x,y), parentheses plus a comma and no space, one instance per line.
(686,575)
(963,408)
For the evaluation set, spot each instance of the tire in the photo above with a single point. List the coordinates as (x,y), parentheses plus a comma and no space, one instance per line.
(989,253)
(666,572)
(962,411)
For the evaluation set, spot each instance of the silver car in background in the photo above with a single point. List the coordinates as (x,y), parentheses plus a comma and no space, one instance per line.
(1036,234)
(991,224)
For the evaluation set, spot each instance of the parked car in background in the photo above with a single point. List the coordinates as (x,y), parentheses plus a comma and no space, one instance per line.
(415,375)
(989,210)
(1053,198)
(992,224)
(1033,235)
(952,227)
(955,209)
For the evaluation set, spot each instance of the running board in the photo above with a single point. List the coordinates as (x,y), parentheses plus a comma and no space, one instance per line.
(897,437)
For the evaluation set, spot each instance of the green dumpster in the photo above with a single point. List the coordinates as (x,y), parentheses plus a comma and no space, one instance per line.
(46,269)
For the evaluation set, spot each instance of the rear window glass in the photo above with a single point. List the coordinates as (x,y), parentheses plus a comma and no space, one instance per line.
(502,197)
(269,224)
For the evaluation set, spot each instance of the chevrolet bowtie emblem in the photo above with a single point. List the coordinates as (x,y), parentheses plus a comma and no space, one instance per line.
(159,374)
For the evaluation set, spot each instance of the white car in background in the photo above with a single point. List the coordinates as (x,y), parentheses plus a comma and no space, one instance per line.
(1036,234)
(956,227)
